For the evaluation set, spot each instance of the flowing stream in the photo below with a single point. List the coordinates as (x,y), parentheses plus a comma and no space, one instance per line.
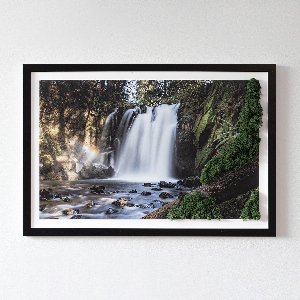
(77,199)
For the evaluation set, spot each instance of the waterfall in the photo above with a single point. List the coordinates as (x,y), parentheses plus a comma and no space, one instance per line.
(107,153)
(145,143)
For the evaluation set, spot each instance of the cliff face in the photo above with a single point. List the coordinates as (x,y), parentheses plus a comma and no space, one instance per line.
(206,126)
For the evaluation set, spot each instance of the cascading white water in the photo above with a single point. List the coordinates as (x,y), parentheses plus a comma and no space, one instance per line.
(107,154)
(147,149)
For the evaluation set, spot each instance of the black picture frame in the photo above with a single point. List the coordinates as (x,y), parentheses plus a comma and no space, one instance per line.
(28,135)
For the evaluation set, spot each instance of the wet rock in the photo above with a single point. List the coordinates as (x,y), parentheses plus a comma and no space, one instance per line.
(156,189)
(110,211)
(78,217)
(66,199)
(46,194)
(123,201)
(57,196)
(116,203)
(110,172)
(147,184)
(133,191)
(165,195)
(96,171)
(165,184)
(192,181)
(130,204)
(97,189)
(145,205)
(87,172)
(120,202)
(90,203)
(70,211)
(145,193)
(42,207)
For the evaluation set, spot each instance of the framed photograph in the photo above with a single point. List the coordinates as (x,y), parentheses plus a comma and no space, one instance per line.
(168,150)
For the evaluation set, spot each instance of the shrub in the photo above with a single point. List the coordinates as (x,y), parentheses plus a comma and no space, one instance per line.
(195,206)
(245,146)
(251,208)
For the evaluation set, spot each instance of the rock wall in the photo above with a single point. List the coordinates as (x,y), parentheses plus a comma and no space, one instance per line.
(208,124)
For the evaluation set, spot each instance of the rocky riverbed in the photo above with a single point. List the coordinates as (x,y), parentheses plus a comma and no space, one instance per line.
(104,199)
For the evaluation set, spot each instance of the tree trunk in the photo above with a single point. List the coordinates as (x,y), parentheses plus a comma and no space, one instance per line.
(62,128)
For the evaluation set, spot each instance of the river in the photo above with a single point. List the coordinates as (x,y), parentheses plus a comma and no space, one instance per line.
(86,199)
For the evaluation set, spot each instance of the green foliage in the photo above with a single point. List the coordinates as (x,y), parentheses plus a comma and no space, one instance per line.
(203,155)
(195,206)
(222,103)
(155,92)
(251,208)
(229,132)
(200,125)
(149,92)
(245,146)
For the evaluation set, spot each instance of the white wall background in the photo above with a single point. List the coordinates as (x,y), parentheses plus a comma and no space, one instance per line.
(216,31)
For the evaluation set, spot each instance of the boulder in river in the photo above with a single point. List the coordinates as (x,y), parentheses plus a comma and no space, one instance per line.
(46,194)
(165,195)
(97,189)
(164,184)
(120,202)
(156,189)
(133,191)
(145,205)
(78,217)
(110,211)
(70,211)
(42,207)
(93,171)
(66,199)
(145,193)
(90,203)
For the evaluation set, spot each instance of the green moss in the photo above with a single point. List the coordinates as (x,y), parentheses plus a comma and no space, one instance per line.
(216,123)
(195,206)
(245,146)
(202,120)
(202,155)
(251,208)
(200,125)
